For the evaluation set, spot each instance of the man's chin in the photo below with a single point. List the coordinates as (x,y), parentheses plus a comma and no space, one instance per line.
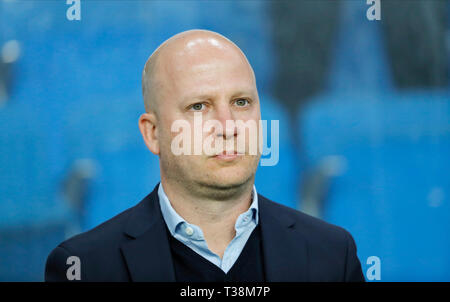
(224,181)
(222,189)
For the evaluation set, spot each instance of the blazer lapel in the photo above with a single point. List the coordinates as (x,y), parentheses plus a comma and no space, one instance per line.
(147,254)
(284,251)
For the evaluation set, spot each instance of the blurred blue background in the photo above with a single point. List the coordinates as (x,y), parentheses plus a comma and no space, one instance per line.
(363,108)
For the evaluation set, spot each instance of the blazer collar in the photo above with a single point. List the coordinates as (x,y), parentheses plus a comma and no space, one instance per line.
(284,250)
(148,255)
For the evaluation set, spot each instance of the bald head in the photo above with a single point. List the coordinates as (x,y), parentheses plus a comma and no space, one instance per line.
(187,50)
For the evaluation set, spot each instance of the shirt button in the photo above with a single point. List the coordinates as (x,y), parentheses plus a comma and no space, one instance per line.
(189,231)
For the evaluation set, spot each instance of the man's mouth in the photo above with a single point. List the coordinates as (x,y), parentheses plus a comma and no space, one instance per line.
(228,156)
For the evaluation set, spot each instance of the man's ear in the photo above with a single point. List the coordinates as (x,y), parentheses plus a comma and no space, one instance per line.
(148,127)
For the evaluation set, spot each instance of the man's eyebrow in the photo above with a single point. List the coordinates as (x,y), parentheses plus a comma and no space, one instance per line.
(206,96)
(197,97)
(243,93)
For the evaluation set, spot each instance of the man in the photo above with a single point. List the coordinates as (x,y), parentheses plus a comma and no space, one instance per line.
(205,220)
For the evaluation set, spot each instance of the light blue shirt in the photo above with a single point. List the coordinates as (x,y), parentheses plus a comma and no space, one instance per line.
(192,236)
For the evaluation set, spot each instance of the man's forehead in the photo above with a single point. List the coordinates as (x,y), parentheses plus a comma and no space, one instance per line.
(199,58)
(206,66)
(207,81)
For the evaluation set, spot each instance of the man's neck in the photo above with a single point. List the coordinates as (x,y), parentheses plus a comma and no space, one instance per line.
(216,218)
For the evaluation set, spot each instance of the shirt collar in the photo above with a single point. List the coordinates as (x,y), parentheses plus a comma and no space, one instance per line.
(173,219)
(170,216)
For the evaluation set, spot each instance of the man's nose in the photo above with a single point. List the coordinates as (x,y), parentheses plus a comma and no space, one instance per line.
(225,117)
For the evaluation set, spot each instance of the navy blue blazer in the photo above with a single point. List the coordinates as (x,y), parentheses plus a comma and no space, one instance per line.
(133,246)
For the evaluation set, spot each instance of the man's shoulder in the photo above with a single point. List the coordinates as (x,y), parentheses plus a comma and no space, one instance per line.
(106,235)
(313,228)
(329,250)
(100,249)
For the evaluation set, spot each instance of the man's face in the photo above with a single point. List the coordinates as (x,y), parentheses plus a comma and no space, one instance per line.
(220,85)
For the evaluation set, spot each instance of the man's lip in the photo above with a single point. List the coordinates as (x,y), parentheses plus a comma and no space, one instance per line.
(224,153)
(225,156)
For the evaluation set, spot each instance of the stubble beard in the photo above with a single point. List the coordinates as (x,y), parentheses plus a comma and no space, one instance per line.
(205,185)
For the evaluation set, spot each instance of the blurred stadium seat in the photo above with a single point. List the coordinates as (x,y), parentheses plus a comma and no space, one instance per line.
(33,216)
(392,187)
(381,157)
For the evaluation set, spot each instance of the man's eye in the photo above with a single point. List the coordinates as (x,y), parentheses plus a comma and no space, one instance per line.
(197,107)
(241,102)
